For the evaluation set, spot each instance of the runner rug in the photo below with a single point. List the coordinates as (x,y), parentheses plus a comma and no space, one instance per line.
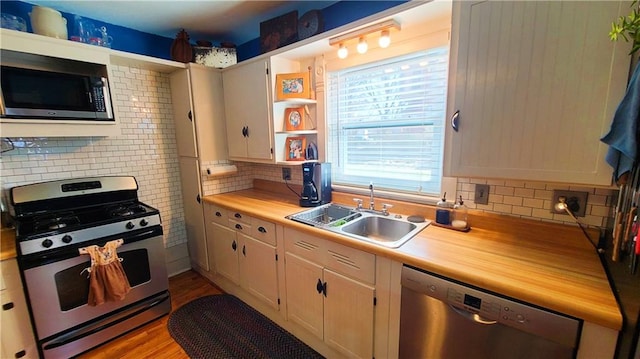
(222,326)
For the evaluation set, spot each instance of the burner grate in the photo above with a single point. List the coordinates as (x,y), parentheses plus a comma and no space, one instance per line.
(55,221)
(125,210)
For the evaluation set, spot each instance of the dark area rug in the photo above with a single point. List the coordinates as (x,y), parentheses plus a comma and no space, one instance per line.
(222,326)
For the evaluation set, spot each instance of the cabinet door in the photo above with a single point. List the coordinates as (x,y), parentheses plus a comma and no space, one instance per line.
(183,113)
(246,97)
(536,84)
(258,271)
(304,302)
(348,315)
(208,106)
(225,252)
(193,211)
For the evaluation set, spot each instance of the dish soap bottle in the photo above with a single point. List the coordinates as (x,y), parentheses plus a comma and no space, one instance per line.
(443,211)
(459,220)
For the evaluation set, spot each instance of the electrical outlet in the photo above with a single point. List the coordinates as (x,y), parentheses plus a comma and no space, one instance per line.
(286,174)
(576,201)
(481,195)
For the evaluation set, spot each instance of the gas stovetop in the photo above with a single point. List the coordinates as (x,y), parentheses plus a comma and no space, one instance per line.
(58,214)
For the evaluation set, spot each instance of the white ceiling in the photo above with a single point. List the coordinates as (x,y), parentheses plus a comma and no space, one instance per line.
(235,21)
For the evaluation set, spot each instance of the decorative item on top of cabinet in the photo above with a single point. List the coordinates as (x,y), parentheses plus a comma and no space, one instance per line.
(181,49)
(279,31)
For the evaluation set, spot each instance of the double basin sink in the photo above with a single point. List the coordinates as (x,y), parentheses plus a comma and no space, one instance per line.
(370,226)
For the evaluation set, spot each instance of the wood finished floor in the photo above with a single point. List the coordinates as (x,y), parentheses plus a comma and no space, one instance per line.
(153,340)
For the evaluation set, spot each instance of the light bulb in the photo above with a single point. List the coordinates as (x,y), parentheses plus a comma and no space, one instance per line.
(362,46)
(385,40)
(343,52)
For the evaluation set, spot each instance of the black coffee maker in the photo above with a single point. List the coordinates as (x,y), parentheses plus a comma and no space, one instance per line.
(316,184)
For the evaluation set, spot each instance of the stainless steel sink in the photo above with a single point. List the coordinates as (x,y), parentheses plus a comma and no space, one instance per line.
(388,232)
(361,224)
(325,215)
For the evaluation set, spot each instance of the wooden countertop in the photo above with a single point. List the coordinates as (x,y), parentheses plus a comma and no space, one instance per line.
(549,265)
(7,243)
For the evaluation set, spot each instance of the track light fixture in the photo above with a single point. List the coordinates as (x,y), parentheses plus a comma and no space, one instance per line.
(384,40)
(343,52)
(362,45)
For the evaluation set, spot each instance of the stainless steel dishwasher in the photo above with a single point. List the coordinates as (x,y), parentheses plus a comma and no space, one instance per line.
(441,318)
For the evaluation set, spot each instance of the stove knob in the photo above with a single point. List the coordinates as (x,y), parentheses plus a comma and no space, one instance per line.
(130,225)
(47,243)
(144,222)
(67,239)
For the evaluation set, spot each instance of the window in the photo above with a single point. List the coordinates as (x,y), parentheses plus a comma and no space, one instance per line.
(385,123)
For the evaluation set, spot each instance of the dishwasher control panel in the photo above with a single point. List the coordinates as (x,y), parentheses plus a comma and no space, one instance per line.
(490,308)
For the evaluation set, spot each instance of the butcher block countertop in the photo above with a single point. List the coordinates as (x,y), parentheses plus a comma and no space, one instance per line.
(7,243)
(549,265)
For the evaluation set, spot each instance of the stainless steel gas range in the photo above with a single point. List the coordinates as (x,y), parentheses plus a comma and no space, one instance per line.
(53,221)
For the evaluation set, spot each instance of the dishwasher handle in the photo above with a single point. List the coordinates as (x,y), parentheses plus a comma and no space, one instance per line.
(472,316)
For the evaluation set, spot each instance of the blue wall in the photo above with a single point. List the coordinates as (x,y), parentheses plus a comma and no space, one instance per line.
(138,42)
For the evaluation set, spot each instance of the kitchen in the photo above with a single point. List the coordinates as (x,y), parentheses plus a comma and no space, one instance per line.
(146,150)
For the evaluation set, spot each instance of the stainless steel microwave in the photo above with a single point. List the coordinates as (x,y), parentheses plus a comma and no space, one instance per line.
(54,90)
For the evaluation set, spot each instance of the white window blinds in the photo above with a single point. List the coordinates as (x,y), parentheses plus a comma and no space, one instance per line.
(385,123)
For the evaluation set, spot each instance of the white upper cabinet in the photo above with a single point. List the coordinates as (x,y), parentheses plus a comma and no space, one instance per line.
(198,105)
(535,86)
(247,108)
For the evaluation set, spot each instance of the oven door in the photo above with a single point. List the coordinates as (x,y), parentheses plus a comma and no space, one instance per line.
(58,290)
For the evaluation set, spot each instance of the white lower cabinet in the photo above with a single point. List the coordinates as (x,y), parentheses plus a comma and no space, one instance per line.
(242,249)
(330,292)
(16,334)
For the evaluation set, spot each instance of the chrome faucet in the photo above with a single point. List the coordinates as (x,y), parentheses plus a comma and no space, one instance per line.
(372,205)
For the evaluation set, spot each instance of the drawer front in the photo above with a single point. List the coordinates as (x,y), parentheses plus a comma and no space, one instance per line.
(218,215)
(239,217)
(304,245)
(240,227)
(263,231)
(351,262)
(339,258)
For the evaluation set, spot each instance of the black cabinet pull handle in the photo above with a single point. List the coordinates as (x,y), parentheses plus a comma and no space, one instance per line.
(319,286)
(324,288)
(20,354)
(234,246)
(454,120)
(7,306)
(190,115)
(247,131)
(238,226)
(218,214)
(237,215)
(262,229)
(244,250)
(198,198)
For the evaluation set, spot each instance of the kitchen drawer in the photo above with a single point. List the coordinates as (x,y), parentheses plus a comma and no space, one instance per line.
(239,217)
(241,227)
(352,262)
(218,215)
(342,259)
(263,231)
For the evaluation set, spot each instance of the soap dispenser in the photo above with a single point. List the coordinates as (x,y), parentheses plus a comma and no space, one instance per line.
(443,211)
(459,220)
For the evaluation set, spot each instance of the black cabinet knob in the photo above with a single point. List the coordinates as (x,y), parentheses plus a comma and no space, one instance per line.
(7,306)
(234,246)
(262,229)
(47,243)
(237,215)
(218,214)
(238,226)
(67,239)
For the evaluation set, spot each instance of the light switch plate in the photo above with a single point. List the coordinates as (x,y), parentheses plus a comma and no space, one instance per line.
(481,195)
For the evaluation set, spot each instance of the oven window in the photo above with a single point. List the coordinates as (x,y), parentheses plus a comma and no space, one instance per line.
(73,286)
